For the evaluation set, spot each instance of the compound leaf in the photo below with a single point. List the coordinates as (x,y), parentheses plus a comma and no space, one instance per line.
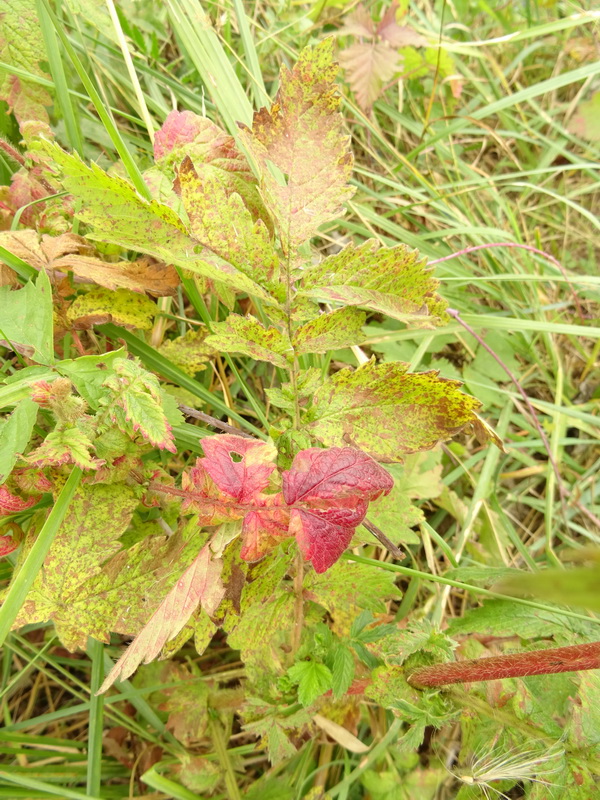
(313,679)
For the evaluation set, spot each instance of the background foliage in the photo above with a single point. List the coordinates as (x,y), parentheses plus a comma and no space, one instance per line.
(470,124)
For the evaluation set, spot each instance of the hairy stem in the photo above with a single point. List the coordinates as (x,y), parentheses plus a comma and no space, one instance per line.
(299,603)
(575,658)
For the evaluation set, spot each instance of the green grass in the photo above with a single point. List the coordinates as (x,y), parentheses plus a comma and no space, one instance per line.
(500,163)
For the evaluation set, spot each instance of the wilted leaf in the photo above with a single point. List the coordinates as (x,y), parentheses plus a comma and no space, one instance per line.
(333,331)
(143,275)
(330,492)
(369,67)
(184,128)
(8,544)
(341,735)
(199,584)
(97,516)
(11,504)
(388,412)
(135,403)
(302,136)
(189,352)
(371,64)
(26,323)
(123,307)
(22,46)
(247,336)
(393,281)
(15,433)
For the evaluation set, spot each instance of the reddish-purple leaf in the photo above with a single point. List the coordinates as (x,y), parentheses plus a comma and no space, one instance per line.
(243,477)
(320,541)
(330,491)
(11,504)
(334,473)
(264,528)
(200,584)
(7,545)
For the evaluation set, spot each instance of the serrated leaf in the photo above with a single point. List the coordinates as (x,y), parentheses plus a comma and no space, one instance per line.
(200,584)
(342,671)
(392,281)
(116,211)
(22,46)
(15,434)
(313,680)
(503,617)
(120,216)
(123,307)
(302,137)
(65,445)
(189,352)
(97,516)
(220,221)
(388,412)
(88,374)
(26,323)
(247,336)
(330,492)
(134,404)
(332,331)
(369,66)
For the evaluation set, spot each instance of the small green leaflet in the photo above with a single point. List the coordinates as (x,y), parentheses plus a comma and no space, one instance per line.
(15,434)
(313,680)
(387,411)
(247,336)
(392,281)
(342,671)
(26,323)
(302,137)
(88,374)
(332,331)
(134,403)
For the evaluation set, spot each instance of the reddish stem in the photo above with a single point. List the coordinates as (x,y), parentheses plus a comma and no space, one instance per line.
(518,665)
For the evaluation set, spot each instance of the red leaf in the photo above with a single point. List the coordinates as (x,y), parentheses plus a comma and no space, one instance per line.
(320,541)
(338,472)
(7,545)
(325,495)
(330,491)
(11,504)
(243,478)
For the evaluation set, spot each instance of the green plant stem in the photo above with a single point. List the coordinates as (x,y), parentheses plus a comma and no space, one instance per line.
(95,651)
(218,738)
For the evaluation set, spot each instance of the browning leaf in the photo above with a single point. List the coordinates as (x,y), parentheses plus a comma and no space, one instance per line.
(302,136)
(338,329)
(199,584)
(392,281)
(389,412)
